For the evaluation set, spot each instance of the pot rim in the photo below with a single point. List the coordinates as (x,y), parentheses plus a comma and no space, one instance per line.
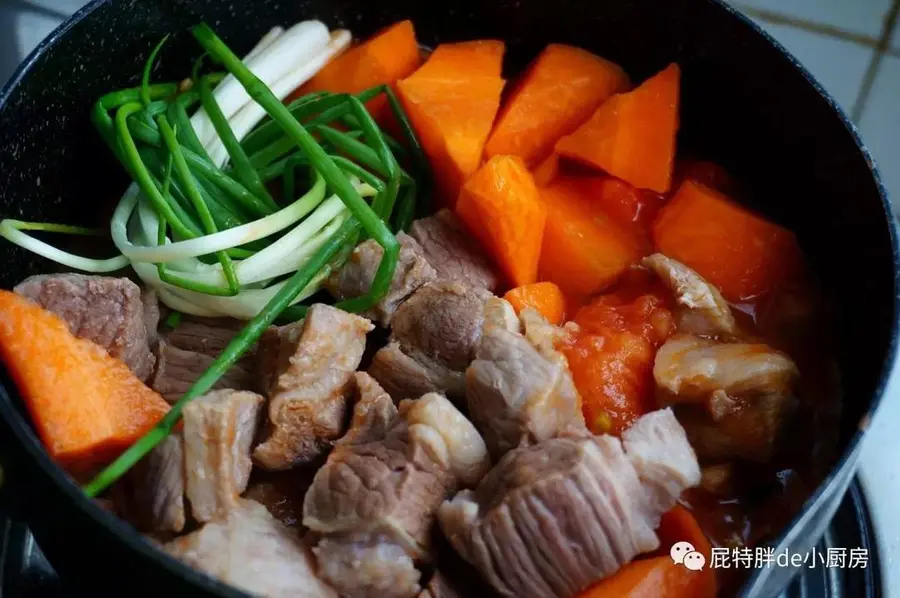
(133,540)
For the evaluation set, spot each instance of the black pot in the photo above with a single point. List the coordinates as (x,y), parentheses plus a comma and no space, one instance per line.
(746,103)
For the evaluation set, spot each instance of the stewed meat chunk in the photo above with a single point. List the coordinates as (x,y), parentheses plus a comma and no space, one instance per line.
(249,549)
(107,311)
(356,276)
(454,254)
(433,339)
(702,309)
(517,393)
(554,517)
(373,503)
(307,370)
(218,431)
(733,399)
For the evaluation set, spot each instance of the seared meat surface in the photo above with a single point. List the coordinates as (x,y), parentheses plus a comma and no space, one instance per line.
(702,309)
(249,549)
(356,276)
(177,370)
(406,377)
(373,413)
(433,340)
(554,517)
(218,430)
(443,321)
(107,311)
(734,399)
(307,369)
(453,253)
(375,501)
(519,394)
(367,565)
(156,488)
(208,336)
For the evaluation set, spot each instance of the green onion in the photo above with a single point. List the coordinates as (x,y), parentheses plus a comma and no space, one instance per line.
(187,179)
(246,174)
(332,174)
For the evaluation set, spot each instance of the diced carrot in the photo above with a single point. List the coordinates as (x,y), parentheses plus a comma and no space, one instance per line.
(546,170)
(500,205)
(584,250)
(451,102)
(611,357)
(385,58)
(657,577)
(632,135)
(542,296)
(679,525)
(738,251)
(560,91)
(86,406)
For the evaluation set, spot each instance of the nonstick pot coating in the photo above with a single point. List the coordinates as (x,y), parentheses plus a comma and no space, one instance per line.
(745,103)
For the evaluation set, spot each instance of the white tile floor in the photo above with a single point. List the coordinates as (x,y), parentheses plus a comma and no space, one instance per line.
(880,123)
(860,16)
(838,64)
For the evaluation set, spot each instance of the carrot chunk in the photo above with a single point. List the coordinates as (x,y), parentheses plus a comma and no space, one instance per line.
(560,91)
(542,296)
(86,406)
(657,577)
(451,102)
(632,135)
(584,250)
(500,205)
(545,172)
(388,56)
(738,251)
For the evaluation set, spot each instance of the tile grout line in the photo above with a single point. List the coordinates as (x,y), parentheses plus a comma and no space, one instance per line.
(881,48)
(25,6)
(776,18)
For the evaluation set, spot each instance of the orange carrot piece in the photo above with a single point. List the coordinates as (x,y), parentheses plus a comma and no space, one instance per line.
(451,102)
(500,205)
(679,525)
(542,296)
(385,58)
(738,251)
(584,250)
(559,92)
(546,171)
(632,135)
(657,577)
(86,406)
